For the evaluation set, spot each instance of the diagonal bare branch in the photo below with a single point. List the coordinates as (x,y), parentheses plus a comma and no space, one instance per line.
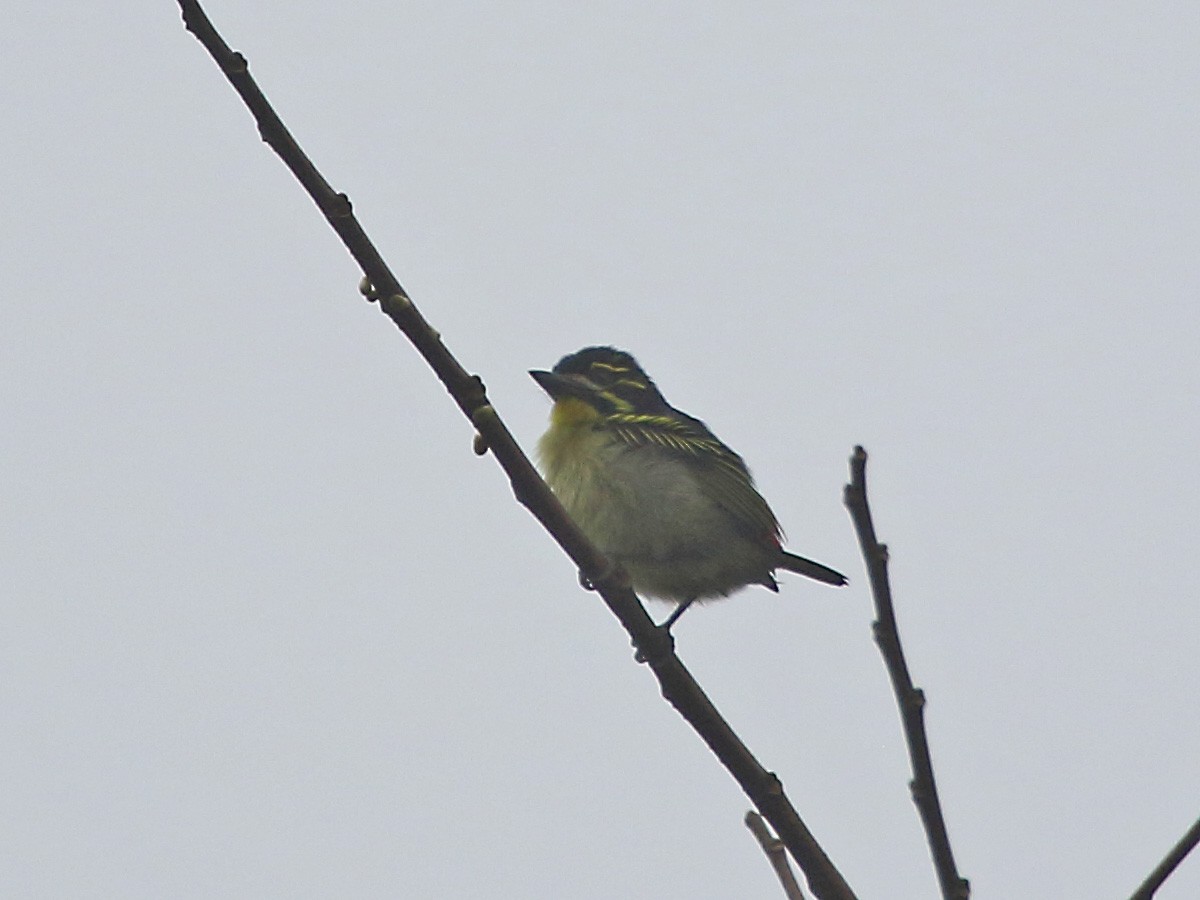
(654,645)
(911,699)
(1170,862)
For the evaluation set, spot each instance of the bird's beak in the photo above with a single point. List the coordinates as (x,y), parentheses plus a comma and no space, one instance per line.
(559,386)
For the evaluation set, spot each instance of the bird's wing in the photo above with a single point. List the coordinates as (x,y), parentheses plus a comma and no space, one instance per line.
(721,474)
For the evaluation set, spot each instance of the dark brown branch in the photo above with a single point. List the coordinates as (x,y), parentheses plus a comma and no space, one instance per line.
(910,699)
(653,645)
(1170,862)
(776,855)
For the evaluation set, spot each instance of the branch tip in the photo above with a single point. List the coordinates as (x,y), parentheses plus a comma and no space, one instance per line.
(909,698)
(774,849)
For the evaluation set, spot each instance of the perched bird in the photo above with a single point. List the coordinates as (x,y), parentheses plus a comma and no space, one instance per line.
(654,489)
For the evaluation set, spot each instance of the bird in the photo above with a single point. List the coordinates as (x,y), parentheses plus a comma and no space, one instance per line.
(654,489)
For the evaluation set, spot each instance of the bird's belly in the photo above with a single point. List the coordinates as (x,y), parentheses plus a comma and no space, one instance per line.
(673,541)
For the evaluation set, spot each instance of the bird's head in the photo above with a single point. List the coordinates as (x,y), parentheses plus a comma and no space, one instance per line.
(600,381)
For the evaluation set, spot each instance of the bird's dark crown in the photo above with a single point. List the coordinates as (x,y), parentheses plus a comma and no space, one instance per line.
(600,364)
(616,376)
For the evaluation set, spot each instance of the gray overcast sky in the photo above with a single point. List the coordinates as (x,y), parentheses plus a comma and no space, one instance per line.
(271,630)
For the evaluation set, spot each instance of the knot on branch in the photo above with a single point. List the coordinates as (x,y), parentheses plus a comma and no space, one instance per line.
(337,206)
(771,785)
(481,411)
(655,647)
(474,393)
(610,575)
(398,300)
(483,417)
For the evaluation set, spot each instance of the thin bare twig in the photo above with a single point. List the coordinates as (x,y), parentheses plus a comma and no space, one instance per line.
(654,645)
(910,699)
(776,855)
(1170,862)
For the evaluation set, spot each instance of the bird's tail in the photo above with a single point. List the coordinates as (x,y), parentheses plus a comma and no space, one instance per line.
(802,566)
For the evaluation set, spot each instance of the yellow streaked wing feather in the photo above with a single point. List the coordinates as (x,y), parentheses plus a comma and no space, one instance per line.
(721,473)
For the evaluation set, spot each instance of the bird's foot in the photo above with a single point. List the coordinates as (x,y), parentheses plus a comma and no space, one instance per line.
(679,611)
